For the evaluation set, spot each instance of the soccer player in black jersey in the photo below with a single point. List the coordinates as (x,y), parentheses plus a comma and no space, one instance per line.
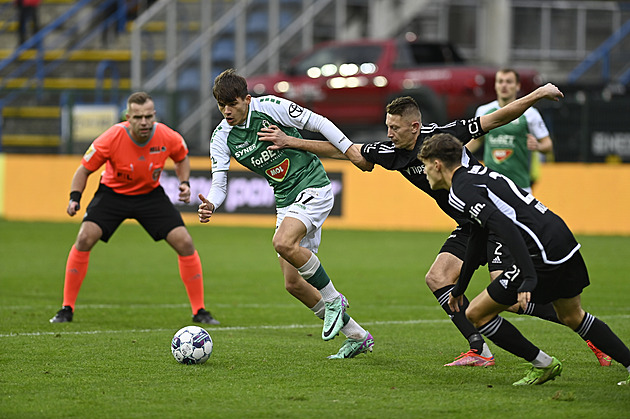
(406,133)
(548,264)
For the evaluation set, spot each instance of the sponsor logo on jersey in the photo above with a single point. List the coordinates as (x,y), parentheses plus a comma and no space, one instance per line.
(265,156)
(475,210)
(89,153)
(241,153)
(279,172)
(155,150)
(415,170)
(501,154)
(295,110)
(504,282)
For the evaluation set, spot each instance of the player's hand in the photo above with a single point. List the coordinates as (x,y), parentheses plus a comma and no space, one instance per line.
(532,143)
(276,136)
(455,302)
(551,92)
(206,209)
(73,207)
(523,299)
(354,155)
(184,193)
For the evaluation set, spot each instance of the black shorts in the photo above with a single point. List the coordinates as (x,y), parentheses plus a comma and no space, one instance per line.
(154,211)
(497,256)
(566,280)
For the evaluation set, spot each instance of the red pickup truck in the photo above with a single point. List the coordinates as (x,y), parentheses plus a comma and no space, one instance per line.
(351,82)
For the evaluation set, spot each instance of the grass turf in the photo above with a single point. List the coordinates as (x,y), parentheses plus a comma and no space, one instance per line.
(269,360)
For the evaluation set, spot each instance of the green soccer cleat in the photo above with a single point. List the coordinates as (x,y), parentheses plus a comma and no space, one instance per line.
(625,382)
(539,376)
(333,317)
(354,347)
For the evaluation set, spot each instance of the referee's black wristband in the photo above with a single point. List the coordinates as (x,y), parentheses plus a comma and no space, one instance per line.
(185,182)
(75,196)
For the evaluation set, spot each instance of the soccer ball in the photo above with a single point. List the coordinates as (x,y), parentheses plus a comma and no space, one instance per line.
(191,345)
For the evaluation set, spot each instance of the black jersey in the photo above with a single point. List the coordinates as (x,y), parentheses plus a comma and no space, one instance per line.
(537,238)
(406,162)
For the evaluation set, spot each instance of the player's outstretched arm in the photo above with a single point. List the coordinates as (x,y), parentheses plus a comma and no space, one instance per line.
(280,140)
(515,109)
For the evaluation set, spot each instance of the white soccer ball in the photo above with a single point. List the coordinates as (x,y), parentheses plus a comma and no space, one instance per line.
(191,345)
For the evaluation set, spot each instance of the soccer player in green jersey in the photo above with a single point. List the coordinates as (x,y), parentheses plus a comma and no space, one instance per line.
(509,148)
(302,191)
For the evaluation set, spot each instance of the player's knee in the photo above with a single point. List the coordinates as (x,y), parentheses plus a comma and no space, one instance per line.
(476,316)
(572,319)
(435,280)
(282,246)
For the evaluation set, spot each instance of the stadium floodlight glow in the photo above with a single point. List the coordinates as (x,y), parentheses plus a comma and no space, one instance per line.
(348,69)
(314,72)
(329,70)
(282,87)
(368,68)
(380,81)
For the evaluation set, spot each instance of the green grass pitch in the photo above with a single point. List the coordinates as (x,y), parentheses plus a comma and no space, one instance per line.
(269,360)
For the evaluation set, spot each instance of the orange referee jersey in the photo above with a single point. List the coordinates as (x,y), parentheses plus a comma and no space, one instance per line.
(130,168)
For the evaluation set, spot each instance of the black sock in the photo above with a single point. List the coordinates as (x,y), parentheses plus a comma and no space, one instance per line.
(542,311)
(605,339)
(506,336)
(465,327)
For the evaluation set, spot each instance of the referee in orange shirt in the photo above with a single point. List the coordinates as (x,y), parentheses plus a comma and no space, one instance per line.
(134,153)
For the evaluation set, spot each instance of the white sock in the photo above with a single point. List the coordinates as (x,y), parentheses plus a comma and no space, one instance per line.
(329,293)
(486,351)
(542,360)
(353,330)
(319,309)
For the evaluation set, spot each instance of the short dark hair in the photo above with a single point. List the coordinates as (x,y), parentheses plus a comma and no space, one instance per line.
(511,70)
(139,98)
(444,147)
(228,86)
(404,106)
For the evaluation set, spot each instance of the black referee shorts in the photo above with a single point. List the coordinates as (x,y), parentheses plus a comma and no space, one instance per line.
(566,280)
(154,211)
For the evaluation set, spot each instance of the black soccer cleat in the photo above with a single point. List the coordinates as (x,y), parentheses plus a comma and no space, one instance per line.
(63,316)
(204,316)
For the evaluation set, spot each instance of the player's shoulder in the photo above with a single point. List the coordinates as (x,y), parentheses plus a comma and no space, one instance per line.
(487,108)
(381,147)
(112,134)
(164,129)
(532,113)
(267,101)
(221,132)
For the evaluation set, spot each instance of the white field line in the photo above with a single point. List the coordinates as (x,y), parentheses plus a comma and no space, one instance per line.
(260,327)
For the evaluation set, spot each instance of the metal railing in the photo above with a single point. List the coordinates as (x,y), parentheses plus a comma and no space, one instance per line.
(602,54)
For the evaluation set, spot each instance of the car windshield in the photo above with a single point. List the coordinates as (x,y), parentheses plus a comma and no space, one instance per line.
(329,61)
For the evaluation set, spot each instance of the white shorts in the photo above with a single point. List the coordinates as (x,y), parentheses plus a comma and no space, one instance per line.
(312,207)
